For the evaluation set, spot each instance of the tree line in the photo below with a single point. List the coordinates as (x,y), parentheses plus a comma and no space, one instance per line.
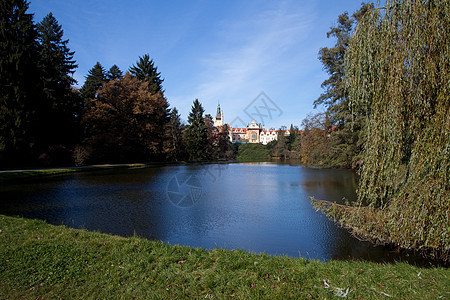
(114,117)
(332,138)
(117,117)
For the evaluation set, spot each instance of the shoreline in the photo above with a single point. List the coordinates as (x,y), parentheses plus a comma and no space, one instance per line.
(39,259)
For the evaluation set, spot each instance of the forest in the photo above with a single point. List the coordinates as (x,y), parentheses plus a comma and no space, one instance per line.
(114,117)
(385,111)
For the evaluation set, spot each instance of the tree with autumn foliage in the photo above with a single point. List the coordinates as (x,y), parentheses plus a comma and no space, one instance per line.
(218,145)
(126,122)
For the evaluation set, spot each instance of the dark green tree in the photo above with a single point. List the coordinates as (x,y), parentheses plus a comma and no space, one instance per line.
(94,81)
(114,73)
(145,69)
(332,60)
(60,108)
(196,133)
(19,81)
(174,148)
(344,143)
(292,136)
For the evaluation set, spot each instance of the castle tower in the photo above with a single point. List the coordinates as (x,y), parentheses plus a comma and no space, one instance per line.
(218,120)
(253,132)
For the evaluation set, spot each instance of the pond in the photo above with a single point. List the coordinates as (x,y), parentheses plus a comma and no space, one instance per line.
(257,207)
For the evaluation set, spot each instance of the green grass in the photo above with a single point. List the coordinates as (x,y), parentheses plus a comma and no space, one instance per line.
(38,260)
(252,152)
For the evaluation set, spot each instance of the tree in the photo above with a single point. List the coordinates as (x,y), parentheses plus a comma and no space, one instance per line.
(174,146)
(114,73)
(126,122)
(196,135)
(94,81)
(280,149)
(335,97)
(314,147)
(397,70)
(346,140)
(19,84)
(332,60)
(145,69)
(60,109)
(292,136)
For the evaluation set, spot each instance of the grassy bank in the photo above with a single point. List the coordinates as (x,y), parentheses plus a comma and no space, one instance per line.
(17,175)
(252,152)
(40,260)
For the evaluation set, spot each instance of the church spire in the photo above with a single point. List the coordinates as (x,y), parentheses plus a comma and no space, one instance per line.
(218,115)
(218,120)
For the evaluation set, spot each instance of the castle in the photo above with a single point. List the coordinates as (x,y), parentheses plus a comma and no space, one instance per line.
(253,133)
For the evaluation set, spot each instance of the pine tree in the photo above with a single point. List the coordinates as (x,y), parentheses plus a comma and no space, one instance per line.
(196,136)
(58,114)
(174,144)
(345,143)
(114,73)
(94,81)
(292,136)
(145,69)
(19,81)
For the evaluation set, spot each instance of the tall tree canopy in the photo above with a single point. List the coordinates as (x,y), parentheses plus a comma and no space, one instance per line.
(60,108)
(174,144)
(126,122)
(397,68)
(94,81)
(344,144)
(145,69)
(19,81)
(196,134)
(114,73)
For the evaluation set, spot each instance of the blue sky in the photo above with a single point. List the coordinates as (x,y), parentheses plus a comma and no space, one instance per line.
(225,52)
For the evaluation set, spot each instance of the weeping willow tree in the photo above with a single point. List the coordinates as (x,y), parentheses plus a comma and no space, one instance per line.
(397,76)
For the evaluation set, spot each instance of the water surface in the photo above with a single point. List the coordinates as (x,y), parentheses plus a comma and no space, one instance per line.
(259,207)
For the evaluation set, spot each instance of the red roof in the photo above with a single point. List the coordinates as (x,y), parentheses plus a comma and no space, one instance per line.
(239,130)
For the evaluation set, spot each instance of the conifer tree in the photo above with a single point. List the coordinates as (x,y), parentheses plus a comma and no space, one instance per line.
(145,69)
(60,108)
(114,73)
(19,84)
(196,135)
(94,81)
(174,143)
(345,144)
(292,136)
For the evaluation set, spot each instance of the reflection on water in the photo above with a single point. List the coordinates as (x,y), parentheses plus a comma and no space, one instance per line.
(256,207)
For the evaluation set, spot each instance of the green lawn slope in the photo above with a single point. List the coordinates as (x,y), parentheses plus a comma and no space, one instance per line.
(42,261)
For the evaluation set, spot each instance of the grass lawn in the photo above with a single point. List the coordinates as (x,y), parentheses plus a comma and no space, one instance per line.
(38,260)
